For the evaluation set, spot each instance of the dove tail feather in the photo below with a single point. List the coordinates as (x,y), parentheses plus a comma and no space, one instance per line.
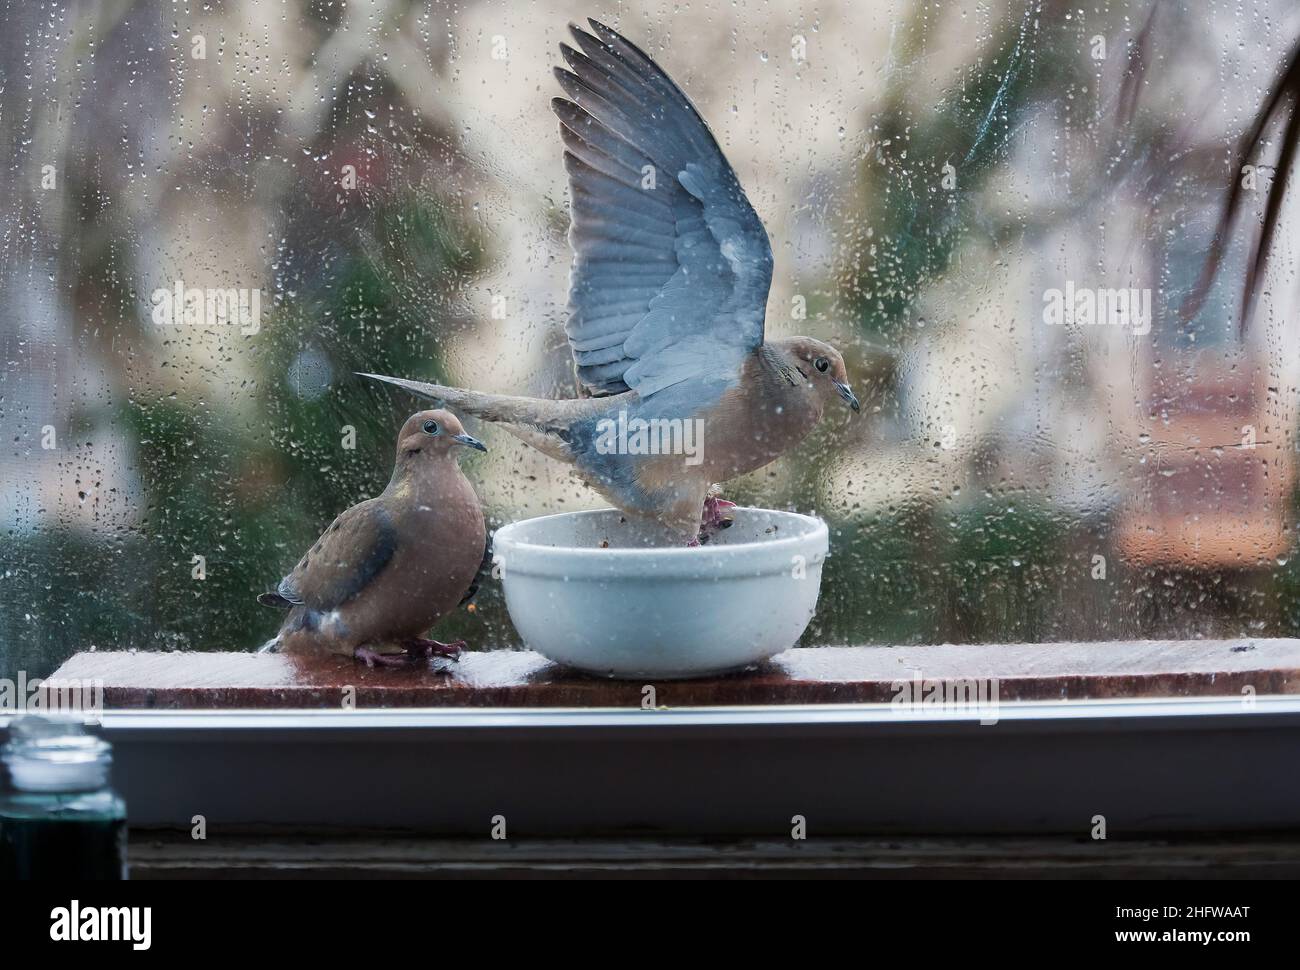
(499,408)
(542,423)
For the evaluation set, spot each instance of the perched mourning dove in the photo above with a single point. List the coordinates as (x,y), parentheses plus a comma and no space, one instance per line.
(387,569)
(667,298)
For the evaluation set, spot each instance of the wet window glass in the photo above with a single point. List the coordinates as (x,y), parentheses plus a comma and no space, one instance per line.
(1049,393)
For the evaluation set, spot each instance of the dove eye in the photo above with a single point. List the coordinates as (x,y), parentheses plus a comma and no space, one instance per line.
(431,427)
(822,364)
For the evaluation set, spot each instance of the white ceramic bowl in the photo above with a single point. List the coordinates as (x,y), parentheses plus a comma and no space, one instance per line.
(618,597)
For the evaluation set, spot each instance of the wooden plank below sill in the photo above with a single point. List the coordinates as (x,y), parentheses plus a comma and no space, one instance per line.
(163,855)
(514,678)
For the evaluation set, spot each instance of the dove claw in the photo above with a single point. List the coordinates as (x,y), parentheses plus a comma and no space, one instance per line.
(420,647)
(373,658)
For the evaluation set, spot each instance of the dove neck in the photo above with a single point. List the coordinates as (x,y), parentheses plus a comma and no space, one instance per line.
(425,476)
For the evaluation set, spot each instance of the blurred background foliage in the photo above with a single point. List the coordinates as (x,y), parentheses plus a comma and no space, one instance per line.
(251,494)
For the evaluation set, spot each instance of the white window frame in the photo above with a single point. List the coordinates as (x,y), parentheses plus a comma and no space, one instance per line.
(1145,765)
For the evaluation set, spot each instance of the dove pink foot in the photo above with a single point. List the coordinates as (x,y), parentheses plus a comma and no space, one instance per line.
(717,516)
(417,650)
(373,658)
(420,647)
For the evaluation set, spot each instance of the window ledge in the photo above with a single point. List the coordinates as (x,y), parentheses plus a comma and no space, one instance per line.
(820,675)
(1154,736)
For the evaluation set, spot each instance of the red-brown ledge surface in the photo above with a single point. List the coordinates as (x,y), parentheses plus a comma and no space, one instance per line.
(520,678)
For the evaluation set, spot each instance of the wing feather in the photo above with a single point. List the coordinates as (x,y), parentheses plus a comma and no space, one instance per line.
(344,561)
(671,266)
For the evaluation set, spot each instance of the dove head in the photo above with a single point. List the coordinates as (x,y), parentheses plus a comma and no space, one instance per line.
(433,434)
(821,369)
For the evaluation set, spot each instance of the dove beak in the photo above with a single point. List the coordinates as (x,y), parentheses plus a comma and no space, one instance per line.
(850,398)
(469,440)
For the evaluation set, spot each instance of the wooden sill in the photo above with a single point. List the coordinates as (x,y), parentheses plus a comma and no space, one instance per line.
(819,675)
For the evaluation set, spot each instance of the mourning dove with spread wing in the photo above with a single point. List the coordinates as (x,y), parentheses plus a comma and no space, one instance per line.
(667,299)
(390,567)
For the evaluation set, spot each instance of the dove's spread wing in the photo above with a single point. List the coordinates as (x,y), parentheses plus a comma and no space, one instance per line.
(352,552)
(671,264)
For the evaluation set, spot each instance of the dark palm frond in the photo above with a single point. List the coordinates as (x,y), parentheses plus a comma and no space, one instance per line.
(1135,69)
(1281,101)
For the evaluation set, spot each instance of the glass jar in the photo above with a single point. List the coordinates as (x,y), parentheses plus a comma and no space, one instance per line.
(60,819)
